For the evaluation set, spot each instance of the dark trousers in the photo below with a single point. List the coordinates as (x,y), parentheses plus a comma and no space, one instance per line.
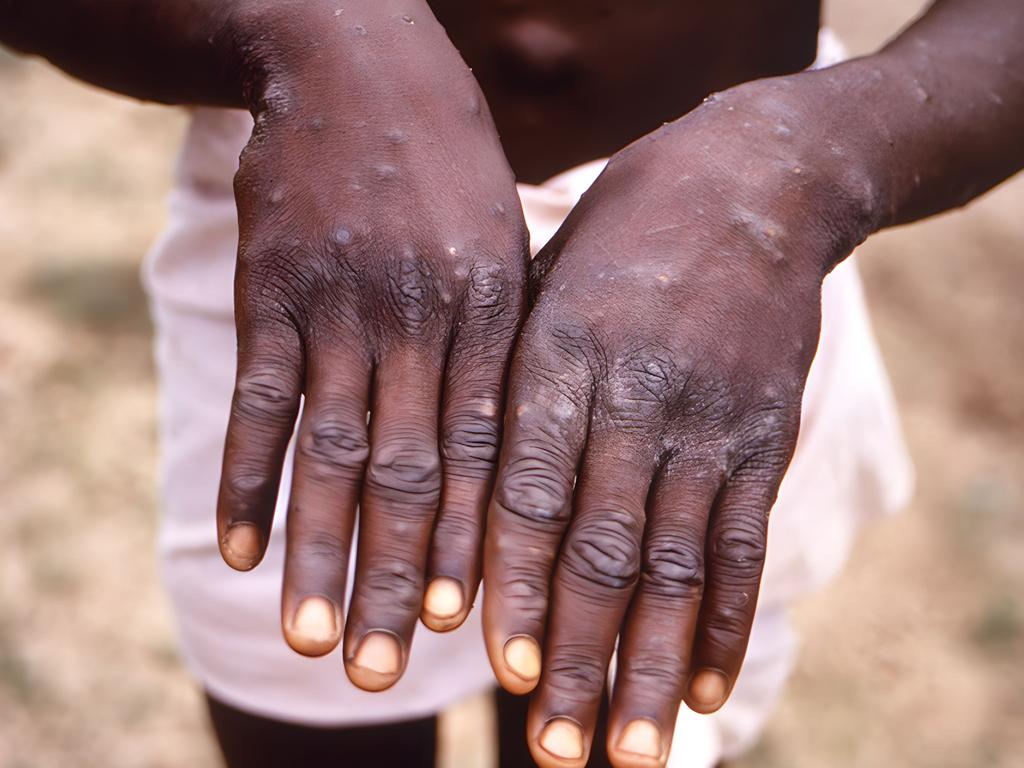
(250,741)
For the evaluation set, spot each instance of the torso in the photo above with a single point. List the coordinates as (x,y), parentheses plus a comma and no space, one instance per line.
(573,80)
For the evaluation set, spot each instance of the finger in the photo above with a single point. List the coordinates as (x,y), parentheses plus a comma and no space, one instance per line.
(399,503)
(268,386)
(654,650)
(330,455)
(545,429)
(470,432)
(735,553)
(594,580)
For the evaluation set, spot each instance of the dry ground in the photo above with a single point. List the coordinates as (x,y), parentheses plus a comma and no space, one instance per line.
(912,658)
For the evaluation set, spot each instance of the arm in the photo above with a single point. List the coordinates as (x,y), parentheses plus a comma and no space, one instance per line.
(928,123)
(381,266)
(174,51)
(655,393)
(953,84)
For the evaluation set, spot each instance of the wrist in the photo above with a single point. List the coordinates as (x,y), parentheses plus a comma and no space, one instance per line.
(308,50)
(829,127)
(811,144)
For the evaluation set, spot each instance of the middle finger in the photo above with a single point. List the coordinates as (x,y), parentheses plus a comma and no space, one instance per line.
(400,496)
(597,572)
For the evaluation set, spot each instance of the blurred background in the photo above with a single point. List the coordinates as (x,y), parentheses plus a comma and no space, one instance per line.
(914,657)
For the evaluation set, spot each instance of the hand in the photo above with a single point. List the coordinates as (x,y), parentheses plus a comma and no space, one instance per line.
(381,268)
(654,404)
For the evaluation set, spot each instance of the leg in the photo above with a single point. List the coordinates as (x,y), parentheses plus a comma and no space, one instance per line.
(249,741)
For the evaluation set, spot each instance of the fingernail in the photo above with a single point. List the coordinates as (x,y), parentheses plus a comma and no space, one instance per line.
(562,738)
(379,652)
(522,656)
(708,688)
(443,599)
(641,737)
(314,628)
(242,546)
(377,662)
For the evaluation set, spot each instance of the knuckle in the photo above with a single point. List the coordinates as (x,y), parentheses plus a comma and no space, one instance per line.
(639,390)
(660,675)
(409,474)
(334,448)
(471,439)
(766,435)
(725,630)
(763,467)
(322,546)
(524,590)
(576,345)
(739,550)
(457,532)
(605,552)
(535,491)
(706,400)
(651,373)
(410,294)
(576,672)
(560,375)
(244,486)
(265,396)
(674,566)
(301,284)
(491,293)
(397,584)
(274,273)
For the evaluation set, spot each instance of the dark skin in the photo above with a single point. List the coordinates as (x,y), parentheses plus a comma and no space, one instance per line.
(652,400)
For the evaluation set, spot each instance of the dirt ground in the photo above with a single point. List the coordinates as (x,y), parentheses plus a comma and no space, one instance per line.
(913,657)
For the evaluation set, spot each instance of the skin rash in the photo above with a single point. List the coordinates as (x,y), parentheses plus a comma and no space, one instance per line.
(622,411)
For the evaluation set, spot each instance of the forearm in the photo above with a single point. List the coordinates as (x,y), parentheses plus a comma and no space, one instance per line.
(174,51)
(945,101)
(215,52)
(931,121)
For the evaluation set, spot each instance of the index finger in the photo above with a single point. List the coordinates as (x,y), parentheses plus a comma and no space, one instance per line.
(265,405)
(546,426)
(737,541)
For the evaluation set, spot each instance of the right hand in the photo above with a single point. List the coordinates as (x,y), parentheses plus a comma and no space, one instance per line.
(381,269)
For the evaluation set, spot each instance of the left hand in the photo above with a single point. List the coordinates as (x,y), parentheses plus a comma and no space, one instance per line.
(654,404)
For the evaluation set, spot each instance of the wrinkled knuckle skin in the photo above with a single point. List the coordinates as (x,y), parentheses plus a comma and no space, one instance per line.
(739,552)
(640,391)
(334,449)
(535,492)
(564,386)
(307,285)
(242,487)
(457,533)
(766,436)
(579,345)
(706,400)
(659,675)
(264,397)
(524,589)
(273,279)
(410,295)
(576,672)
(651,368)
(605,552)
(725,631)
(405,475)
(674,567)
(491,294)
(395,586)
(321,549)
(471,441)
